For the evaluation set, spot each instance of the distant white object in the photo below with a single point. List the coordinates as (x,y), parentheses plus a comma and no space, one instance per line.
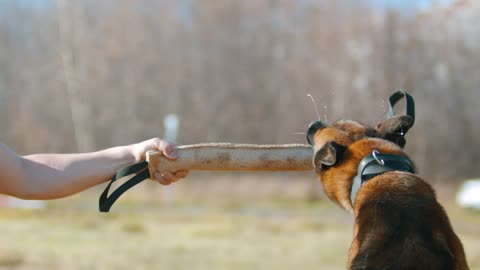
(12,202)
(469,194)
(171,124)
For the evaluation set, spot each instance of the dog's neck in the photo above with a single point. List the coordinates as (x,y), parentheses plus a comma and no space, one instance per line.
(376,164)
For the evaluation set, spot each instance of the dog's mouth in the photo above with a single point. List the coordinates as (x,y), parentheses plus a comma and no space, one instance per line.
(317,164)
(311,131)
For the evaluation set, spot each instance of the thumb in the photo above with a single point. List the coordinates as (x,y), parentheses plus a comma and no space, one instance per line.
(169,151)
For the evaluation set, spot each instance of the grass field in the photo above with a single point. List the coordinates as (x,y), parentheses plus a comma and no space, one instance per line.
(148,232)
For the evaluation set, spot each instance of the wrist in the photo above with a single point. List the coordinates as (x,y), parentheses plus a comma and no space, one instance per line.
(132,153)
(136,152)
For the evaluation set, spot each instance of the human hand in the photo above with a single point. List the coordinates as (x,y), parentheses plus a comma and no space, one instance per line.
(167,148)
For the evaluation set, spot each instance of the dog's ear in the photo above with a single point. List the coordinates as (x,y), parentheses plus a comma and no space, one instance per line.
(395,128)
(329,154)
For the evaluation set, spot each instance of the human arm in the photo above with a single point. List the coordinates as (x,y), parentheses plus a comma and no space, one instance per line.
(51,176)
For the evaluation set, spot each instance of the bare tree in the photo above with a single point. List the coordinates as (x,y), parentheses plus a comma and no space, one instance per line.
(80,109)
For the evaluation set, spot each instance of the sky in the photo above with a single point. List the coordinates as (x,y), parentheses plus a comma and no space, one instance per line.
(408,4)
(395,4)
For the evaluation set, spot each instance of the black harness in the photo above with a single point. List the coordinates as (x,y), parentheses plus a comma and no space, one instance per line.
(376,164)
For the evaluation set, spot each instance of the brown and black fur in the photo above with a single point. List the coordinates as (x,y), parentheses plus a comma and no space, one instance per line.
(399,224)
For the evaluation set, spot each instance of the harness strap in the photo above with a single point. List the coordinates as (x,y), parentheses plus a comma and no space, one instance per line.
(141,172)
(376,164)
(410,103)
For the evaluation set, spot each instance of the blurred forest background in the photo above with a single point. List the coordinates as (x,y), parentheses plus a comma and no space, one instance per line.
(85,75)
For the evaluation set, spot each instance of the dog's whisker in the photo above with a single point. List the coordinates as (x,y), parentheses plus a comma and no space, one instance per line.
(315,105)
(325,114)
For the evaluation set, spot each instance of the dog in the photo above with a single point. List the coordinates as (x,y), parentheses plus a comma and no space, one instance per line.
(399,223)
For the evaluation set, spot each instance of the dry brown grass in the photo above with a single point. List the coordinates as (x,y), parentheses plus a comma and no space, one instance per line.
(147,231)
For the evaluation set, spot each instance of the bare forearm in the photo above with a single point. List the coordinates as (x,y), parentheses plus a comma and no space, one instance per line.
(50,176)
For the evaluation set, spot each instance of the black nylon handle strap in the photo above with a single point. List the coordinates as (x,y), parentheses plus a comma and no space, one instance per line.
(395,97)
(105,202)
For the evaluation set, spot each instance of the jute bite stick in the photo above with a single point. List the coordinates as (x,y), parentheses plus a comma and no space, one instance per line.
(212,157)
(234,157)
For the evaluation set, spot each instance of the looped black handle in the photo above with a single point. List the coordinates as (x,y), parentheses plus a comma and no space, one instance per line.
(141,172)
(410,103)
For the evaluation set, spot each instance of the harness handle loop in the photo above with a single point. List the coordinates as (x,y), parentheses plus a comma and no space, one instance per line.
(410,104)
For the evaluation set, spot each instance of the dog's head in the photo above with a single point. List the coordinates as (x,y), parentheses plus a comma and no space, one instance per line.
(339,147)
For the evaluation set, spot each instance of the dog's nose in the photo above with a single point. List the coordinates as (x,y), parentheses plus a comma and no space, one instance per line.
(312,128)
